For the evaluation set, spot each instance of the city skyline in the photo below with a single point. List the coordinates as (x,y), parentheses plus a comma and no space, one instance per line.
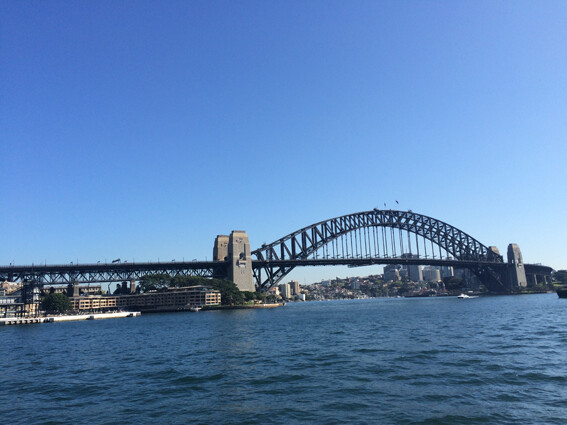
(142,131)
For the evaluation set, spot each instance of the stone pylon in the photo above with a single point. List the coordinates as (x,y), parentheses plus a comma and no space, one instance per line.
(235,250)
(516,270)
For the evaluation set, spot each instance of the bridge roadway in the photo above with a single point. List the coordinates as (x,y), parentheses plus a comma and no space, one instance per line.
(119,272)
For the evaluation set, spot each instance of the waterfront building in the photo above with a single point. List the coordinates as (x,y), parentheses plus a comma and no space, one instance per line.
(94,303)
(10,305)
(10,287)
(285,290)
(172,299)
(19,300)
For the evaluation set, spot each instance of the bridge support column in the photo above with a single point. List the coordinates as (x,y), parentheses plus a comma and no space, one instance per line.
(235,250)
(516,271)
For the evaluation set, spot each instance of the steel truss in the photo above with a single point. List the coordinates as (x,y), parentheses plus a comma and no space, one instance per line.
(119,272)
(358,233)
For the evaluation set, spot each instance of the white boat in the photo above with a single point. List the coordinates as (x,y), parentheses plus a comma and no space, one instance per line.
(465,296)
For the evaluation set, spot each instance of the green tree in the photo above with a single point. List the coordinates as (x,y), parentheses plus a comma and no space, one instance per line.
(248,295)
(155,282)
(230,294)
(271,298)
(560,276)
(181,281)
(453,283)
(56,303)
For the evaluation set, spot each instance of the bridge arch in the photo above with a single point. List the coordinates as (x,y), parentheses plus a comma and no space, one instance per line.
(277,258)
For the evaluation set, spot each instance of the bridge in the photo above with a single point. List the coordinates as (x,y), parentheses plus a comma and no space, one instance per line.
(358,239)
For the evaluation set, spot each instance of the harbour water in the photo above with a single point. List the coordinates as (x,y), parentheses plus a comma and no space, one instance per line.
(488,360)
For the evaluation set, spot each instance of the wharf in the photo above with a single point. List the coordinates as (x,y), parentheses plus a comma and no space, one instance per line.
(53,319)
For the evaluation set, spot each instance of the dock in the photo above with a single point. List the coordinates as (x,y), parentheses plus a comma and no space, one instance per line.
(53,319)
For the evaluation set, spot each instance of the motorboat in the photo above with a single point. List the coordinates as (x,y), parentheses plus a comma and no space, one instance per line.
(465,296)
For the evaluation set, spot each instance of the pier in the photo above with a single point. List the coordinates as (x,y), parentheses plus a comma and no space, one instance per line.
(70,318)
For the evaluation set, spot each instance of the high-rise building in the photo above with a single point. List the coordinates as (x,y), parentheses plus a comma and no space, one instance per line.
(431,274)
(447,271)
(414,271)
(285,290)
(294,287)
(391,273)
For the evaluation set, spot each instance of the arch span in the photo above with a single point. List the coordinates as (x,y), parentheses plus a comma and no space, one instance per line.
(364,235)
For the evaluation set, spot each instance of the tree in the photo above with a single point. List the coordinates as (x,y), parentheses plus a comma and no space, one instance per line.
(155,282)
(561,276)
(230,294)
(181,281)
(249,295)
(56,303)
(453,283)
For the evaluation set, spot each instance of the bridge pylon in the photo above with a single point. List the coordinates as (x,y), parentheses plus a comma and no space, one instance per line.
(516,270)
(235,251)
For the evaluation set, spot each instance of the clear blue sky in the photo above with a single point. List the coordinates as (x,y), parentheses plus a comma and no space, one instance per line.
(142,129)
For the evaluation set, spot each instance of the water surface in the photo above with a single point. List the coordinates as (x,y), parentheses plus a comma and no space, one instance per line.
(491,360)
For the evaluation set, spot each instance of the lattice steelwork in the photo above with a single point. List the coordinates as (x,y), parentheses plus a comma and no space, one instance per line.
(376,234)
(119,272)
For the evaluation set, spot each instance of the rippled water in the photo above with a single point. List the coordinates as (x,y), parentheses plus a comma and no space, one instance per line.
(493,360)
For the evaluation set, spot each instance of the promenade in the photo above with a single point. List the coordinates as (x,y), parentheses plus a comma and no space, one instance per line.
(69,318)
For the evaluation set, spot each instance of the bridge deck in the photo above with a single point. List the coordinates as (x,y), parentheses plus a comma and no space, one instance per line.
(118,272)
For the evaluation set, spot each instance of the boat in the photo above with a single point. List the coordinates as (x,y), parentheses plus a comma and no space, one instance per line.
(465,296)
(195,309)
(562,292)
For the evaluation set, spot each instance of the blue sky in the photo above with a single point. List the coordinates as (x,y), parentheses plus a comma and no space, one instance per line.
(142,129)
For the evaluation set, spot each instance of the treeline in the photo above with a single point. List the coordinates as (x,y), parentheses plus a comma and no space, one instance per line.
(560,276)
(230,294)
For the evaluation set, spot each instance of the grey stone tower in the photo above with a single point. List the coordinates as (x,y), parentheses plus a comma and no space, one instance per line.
(220,250)
(516,270)
(235,249)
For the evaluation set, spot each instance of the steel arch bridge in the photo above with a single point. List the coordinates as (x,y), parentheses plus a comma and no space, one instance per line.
(358,239)
(377,237)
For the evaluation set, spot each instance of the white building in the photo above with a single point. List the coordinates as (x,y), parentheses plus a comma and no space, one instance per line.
(285,290)
(431,274)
